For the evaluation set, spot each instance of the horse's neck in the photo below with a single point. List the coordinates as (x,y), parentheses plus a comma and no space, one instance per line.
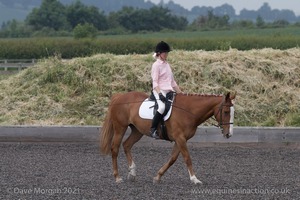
(202,107)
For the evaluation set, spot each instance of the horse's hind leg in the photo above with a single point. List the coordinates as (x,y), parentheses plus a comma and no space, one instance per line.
(116,142)
(174,156)
(134,137)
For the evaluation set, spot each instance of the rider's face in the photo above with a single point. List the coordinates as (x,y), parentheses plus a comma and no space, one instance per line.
(164,55)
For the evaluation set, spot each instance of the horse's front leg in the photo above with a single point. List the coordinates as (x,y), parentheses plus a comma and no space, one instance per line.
(174,156)
(181,142)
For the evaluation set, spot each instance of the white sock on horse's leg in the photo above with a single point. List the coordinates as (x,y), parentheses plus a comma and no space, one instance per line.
(132,171)
(194,179)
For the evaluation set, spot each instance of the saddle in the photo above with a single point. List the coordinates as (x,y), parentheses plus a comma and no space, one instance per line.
(149,107)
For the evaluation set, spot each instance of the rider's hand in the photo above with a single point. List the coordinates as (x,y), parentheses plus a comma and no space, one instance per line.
(162,97)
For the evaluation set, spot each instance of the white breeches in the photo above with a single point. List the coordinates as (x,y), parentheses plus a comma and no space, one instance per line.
(161,105)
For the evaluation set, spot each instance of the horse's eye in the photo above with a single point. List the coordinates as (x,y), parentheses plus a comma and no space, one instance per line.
(226,112)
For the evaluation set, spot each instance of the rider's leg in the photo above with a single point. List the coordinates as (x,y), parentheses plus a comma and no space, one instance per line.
(158,116)
(156,119)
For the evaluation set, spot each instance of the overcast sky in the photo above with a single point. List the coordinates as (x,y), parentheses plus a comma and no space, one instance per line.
(240,4)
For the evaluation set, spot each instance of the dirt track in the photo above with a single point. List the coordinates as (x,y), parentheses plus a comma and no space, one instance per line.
(78,171)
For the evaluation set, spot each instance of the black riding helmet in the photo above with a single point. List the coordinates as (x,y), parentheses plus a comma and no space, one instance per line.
(162,47)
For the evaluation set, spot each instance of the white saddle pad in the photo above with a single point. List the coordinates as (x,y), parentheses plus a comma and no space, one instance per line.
(146,110)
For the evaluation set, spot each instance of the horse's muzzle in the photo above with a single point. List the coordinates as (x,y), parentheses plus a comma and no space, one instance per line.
(226,135)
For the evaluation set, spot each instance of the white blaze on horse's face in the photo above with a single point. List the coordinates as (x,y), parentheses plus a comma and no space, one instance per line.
(231,121)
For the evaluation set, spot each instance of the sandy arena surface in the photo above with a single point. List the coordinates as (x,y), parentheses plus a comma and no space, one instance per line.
(78,171)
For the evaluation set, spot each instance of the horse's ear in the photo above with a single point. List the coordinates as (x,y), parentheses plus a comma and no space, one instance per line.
(227,96)
(232,95)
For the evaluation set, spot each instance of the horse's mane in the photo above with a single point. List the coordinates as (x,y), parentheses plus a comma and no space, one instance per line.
(201,95)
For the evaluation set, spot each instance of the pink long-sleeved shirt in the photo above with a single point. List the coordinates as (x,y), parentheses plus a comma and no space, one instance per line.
(162,76)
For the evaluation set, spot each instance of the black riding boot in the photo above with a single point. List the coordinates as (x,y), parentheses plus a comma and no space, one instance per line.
(156,119)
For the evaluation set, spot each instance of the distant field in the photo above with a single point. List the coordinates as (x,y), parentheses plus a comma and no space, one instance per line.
(37,48)
(275,32)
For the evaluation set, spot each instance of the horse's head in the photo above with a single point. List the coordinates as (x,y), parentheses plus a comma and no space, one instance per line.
(225,114)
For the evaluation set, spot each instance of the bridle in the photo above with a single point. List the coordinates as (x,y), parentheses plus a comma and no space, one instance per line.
(221,123)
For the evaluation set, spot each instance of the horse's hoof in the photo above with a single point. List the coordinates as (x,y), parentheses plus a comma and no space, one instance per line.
(131,177)
(119,180)
(156,180)
(195,180)
(198,182)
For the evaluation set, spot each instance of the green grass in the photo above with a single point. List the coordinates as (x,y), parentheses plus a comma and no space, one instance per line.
(274,32)
(37,48)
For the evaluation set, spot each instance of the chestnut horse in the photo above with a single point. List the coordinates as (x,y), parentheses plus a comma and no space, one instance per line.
(189,111)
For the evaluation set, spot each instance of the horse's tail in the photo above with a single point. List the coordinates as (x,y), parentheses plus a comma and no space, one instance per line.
(107,131)
(106,135)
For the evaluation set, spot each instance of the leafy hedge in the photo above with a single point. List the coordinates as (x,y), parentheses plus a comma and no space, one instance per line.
(69,48)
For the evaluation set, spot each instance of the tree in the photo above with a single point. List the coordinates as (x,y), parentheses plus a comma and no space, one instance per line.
(211,21)
(225,9)
(14,29)
(154,19)
(280,23)
(51,14)
(260,23)
(78,13)
(242,24)
(85,31)
(265,12)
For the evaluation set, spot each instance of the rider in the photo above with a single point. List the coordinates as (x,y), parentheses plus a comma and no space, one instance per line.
(162,82)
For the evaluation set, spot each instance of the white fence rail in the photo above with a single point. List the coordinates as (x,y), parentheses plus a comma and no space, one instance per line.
(16,64)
